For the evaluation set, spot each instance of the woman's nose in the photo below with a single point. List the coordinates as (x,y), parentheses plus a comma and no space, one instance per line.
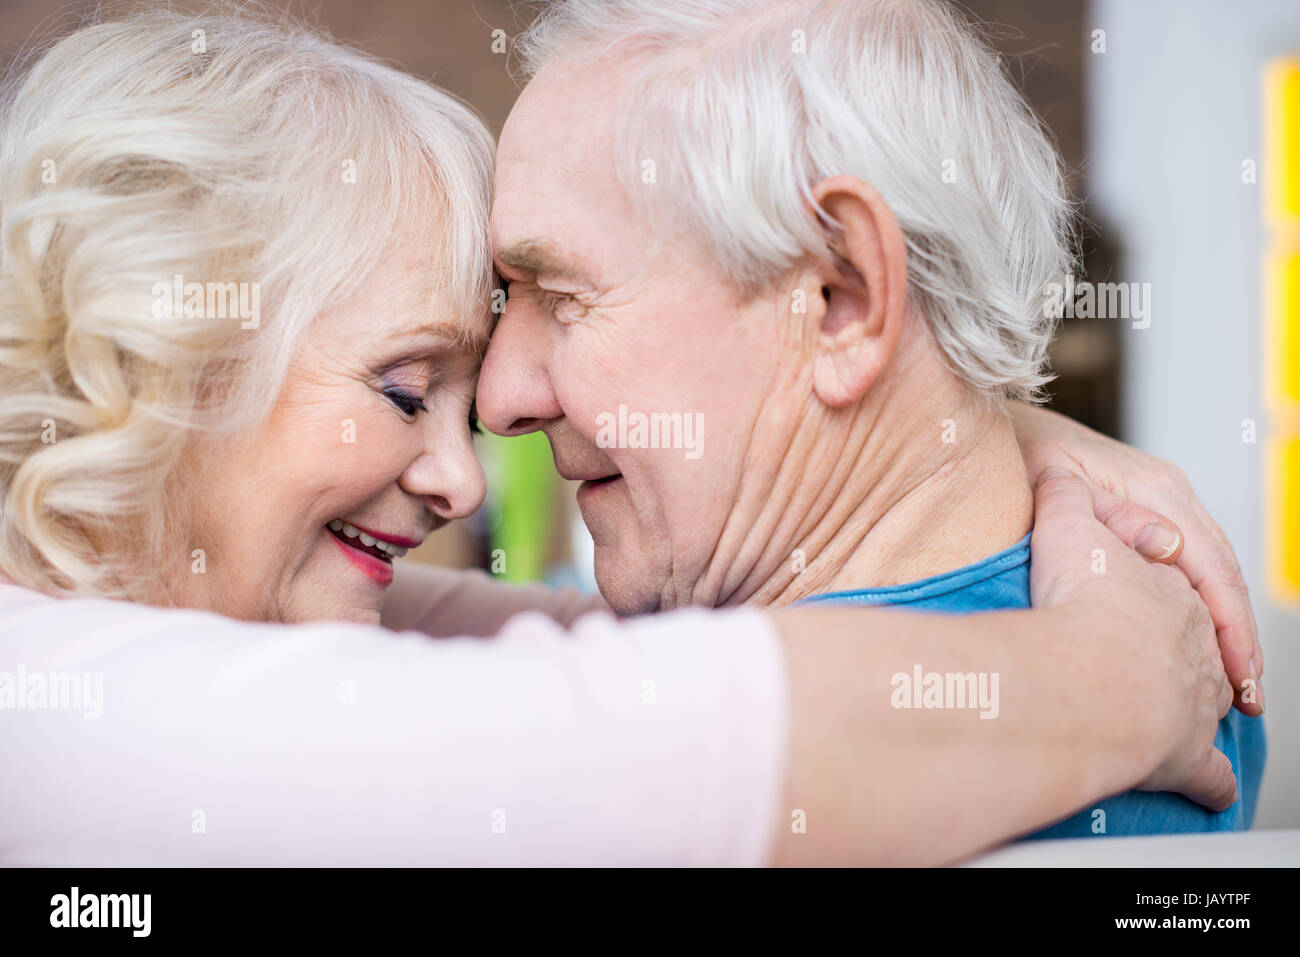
(514,387)
(449,476)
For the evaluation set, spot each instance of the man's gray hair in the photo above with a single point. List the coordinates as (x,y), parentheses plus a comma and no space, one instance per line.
(744,105)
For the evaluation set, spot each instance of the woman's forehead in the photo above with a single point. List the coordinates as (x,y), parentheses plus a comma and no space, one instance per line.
(412,289)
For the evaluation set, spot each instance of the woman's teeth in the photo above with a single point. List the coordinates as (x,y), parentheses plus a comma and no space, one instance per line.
(351,531)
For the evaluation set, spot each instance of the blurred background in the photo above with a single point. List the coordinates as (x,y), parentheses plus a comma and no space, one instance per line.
(1179,121)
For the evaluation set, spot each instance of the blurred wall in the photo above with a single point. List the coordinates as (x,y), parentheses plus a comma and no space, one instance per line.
(446,41)
(1173,112)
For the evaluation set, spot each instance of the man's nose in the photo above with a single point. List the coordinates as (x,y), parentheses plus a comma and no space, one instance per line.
(515,395)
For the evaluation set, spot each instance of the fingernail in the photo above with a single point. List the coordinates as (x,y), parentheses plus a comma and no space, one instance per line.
(1157,542)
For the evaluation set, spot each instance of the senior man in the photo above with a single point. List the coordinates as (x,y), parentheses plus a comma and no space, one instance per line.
(819,234)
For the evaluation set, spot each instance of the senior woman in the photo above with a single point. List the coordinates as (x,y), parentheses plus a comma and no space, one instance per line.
(242,301)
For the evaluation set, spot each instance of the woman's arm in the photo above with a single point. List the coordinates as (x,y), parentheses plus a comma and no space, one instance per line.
(683,738)
(196,739)
(447,602)
(1116,684)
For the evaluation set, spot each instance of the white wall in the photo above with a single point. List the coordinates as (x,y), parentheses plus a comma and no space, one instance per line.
(1172,112)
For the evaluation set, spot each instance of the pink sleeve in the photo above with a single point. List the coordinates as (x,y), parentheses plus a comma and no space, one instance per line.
(138,736)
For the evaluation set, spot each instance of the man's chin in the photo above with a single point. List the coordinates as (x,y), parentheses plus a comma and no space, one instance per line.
(625,591)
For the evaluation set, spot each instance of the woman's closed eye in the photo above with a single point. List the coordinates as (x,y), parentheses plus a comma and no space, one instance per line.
(408,384)
(406,403)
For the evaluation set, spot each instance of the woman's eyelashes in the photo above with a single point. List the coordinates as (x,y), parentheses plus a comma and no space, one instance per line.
(407,403)
(410,404)
(408,384)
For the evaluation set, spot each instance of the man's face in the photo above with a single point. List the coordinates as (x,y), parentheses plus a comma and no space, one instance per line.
(606,323)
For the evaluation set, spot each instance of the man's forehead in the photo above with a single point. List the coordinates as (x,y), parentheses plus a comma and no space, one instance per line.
(567,91)
(536,183)
(560,132)
(545,216)
(559,207)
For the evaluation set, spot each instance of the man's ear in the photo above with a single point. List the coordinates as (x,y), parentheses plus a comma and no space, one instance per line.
(864,288)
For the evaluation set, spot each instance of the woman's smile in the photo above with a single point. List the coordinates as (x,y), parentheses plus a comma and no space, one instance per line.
(370,552)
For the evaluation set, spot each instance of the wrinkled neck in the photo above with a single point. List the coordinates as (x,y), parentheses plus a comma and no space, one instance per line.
(919,478)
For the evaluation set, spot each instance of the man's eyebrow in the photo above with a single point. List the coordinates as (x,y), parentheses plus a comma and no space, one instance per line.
(541,257)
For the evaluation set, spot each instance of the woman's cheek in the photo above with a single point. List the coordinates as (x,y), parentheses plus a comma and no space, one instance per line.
(383,446)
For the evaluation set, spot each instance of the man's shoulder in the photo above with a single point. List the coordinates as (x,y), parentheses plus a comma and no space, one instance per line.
(999,581)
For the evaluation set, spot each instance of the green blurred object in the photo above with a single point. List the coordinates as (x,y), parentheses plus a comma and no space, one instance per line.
(527,482)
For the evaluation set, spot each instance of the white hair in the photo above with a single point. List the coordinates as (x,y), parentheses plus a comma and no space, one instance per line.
(221,147)
(747,104)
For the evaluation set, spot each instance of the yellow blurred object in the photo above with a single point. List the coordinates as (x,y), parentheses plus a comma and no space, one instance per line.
(1281,124)
(1282,327)
(1283,504)
(1280,120)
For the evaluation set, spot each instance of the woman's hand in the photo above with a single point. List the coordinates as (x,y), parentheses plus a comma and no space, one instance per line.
(1177,685)
(1132,490)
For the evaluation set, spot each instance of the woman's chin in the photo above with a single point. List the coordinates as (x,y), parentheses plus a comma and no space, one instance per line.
(333,583)
(336,597)
(360,613)
(361,616)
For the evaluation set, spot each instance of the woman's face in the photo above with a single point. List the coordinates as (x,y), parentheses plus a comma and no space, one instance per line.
(367,451)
